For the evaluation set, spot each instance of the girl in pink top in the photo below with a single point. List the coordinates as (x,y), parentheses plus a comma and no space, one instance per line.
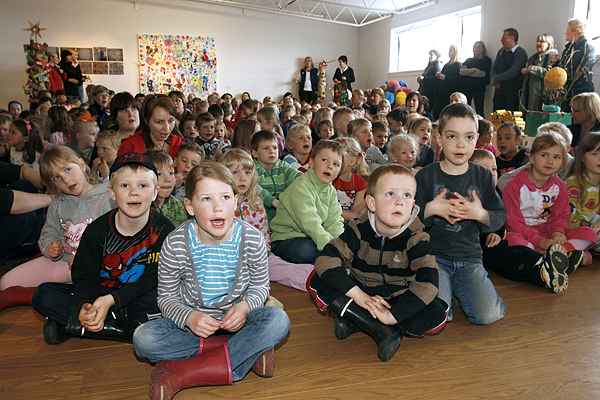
(486,134)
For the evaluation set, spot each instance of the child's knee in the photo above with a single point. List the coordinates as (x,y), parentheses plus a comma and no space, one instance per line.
(489,315)
(144,342)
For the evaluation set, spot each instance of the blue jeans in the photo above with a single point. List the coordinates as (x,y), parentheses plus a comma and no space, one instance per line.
(474,292)
(161,339)
(297,250)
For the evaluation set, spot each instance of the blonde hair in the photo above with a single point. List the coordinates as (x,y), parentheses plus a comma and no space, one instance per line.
(547,140)
(211,170)
(416,122)
(397,140)
(114,137)
(81,125)
(55,157)
(356,124)
(588,104)
(460,97)
(295,131)
(578,26)
(270,113)
(353,149)
(480,155)
(456,56)
(234,157)
(558,128)
(379,173)
(161,159)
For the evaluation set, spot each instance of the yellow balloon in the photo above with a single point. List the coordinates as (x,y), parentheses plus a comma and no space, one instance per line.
(556,78)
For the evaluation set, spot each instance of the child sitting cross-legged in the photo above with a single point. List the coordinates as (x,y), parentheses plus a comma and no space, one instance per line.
(213,280)
(299,143)
(360,129)
(165,203)
(392,287)
(350,184)
(188,156)
(404,150)
(309,214)
(115,268)
(107,144)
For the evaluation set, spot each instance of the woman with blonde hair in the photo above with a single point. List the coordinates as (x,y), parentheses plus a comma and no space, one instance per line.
(448,81)
(308,81)
(585,110)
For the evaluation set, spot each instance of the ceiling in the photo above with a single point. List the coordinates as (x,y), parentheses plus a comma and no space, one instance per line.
(348,12)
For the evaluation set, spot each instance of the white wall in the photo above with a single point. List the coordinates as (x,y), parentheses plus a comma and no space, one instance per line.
(527,17)
(256,52)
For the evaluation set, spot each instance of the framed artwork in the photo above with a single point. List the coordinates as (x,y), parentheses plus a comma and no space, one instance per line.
(85,53)
(115,68)
(176,62)
(100,68)
(100,54)
(115,54)
(86,67)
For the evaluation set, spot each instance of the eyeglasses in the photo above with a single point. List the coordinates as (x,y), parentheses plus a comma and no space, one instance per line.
(102,95)
(178,101)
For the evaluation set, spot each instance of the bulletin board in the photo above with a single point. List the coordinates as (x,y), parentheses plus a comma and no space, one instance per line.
(174,62)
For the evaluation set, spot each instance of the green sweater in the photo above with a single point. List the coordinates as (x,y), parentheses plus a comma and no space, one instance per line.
(273,183)
(308,208)
(173,209)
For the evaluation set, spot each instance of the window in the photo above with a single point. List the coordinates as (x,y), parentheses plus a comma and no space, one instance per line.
(590,10)
(410,44)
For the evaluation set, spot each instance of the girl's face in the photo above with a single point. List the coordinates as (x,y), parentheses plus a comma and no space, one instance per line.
(423,132)
(16,138)
(591,159)
(405,154)
(161,124)
(454,99)
(87,137)
(380,138)
(265,124)
(70,122)
(412,105)
(189,129)
(547,162)
(242,178)
(4,129)
(326,132)
(70,179)
(128,119)
(436,143)
(364,135)
(356,99)
(477,49)
(485,138)
(508,144)
(213,206)
(220,132)
(54,59)
(15,110)
(383,108)
(166,180)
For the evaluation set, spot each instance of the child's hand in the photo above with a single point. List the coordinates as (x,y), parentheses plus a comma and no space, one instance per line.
(103,168)
(179,178)
(55,249)
(559,238)
(380,309)
(202,325)
(492,240)
(452,210)
(92,316)
(545,243)
(275,203)
(217,153)
(475,210)
(236,317)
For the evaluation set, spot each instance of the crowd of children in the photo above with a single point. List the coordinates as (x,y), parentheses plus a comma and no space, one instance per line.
(167,224)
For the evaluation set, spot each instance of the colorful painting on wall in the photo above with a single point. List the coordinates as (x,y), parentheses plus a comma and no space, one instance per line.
(176,62)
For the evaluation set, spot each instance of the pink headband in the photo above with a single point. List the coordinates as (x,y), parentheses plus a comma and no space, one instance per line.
(28,127)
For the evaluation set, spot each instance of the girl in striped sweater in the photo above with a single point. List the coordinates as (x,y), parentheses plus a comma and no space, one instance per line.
(213,280)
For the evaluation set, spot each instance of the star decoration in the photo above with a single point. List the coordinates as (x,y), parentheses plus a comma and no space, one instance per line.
(35,30)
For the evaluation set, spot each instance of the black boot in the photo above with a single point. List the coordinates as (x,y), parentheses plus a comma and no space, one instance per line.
(387,337)
(116,327)
(54,333)
(344,328)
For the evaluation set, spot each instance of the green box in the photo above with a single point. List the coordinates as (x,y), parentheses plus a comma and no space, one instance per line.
(536,118)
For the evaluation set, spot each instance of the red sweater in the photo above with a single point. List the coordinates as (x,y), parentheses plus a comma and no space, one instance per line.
(136,143)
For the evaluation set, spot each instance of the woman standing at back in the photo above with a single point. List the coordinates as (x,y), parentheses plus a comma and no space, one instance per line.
(475,73)
(448,81)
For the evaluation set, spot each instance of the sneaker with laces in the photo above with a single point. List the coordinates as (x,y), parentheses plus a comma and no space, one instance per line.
(553,270)
(575,259)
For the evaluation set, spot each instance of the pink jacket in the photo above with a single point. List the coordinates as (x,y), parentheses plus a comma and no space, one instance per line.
(528,206)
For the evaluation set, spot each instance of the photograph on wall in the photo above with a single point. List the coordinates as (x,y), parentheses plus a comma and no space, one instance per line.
(115,54)
(87,67)
(176,62)
(100,54)
(100,68)
(115,68)
(85,53)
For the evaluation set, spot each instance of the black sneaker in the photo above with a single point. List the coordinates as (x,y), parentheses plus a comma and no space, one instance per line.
(554,268)
(575,259)
(54,333)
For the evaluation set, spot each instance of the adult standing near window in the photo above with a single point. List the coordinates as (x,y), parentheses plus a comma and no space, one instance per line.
(537,66)
(506,71)
(428,81)
(475,73)
(577,55)
(448,81)
(308,80)
(344,72)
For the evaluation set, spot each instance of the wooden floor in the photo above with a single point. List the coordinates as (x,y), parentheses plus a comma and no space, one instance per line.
(547,346)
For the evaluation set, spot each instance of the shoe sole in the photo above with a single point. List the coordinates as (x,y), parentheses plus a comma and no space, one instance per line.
(559,263)
(576,264)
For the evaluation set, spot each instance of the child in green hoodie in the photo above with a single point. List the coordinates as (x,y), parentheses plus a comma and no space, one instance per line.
(309,214)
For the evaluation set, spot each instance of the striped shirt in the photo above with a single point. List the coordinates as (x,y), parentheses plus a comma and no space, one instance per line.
(215,265)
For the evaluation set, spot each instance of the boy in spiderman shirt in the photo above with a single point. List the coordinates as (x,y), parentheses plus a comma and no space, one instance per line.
(115,270)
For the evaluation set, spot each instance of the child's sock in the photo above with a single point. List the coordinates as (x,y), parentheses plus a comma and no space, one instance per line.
(577,244)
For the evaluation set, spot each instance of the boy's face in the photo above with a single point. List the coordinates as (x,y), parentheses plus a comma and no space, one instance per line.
(364,136)
(15,110)
(327,165)
(380,138)
(286,116)
(341,126)
(134,191)
(207,130)
(4,131)
(246,112)
(213,206)
(325,132)
(301,144)
(458,140)
(189,129)
(267,153)
(166,180)
(106,151)
(394,125)
(220,132)
(356,99)
(490,163)
(393,202)
(61,99)
(186,160)
(405,155)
